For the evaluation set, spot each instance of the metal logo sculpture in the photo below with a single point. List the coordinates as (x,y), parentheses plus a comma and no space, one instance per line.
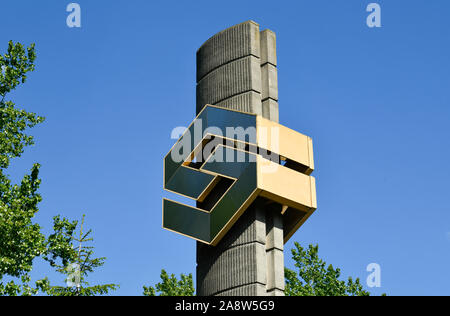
(224,161)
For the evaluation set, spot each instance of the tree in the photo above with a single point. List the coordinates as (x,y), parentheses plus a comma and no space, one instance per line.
(171,286)
(21,240)
(76,261)
(314,278)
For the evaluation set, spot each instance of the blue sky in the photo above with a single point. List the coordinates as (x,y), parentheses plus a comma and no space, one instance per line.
(375,101)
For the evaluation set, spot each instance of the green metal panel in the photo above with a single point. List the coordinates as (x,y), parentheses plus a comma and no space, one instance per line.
(223,161)
(189,182)
(186,220)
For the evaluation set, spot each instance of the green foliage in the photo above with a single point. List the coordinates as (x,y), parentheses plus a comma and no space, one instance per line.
(20,239)
(14,66)
(171,286)
(316,279)
(24,289)
(74,261)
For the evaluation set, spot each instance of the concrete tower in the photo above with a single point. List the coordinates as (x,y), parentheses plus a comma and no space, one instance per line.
(237,69)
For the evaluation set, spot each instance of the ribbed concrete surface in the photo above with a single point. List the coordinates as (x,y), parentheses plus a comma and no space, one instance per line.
(234,78)
(239,260)
(248,259)
(246,290)
(233,43)
(233,268)
(254,230)
(247,102)
(237,69)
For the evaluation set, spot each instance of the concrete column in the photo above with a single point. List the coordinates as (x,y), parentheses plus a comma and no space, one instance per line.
(237,266)
(236,69)
(274,252)
(269,75)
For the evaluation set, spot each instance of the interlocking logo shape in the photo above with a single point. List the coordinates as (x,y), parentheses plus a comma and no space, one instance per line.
(225,161)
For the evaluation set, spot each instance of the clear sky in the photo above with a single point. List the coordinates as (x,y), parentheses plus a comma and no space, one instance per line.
(374,100)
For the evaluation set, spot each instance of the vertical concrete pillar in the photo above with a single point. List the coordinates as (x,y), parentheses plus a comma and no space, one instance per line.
(236,69)
(274,252)
(269,75)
